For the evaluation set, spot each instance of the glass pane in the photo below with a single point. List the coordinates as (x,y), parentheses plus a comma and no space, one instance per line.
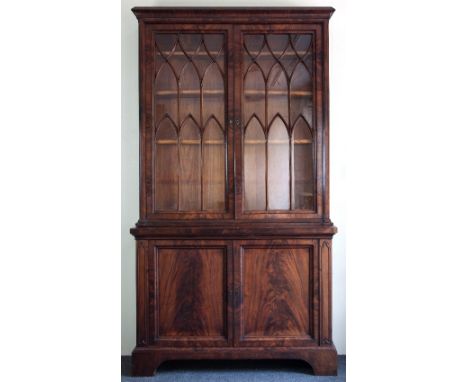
(289,60)
(254,95)
(257,49)
(165,95)
(202,59)
(189,97)
(278,43)
(254,167)
(190,169)
(165,43)
(175,57)
(277,89)
(213,95)
(254,44)
(213,167)
(189,93)
(303,167)
(214,44)
(190,43)
(301,94)
(265,60)
(301,43)
(166,167)
(278,166)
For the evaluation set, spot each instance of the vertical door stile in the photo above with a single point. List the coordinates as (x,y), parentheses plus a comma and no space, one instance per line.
(237,284)
(229,116)
(231,153)
(236,54)
(235,116)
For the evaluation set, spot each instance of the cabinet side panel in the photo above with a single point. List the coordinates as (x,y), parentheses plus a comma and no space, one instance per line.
(325,291)
(142,292)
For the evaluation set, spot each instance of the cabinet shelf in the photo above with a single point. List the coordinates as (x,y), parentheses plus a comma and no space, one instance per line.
(294,93)
(190,53)
(196,93)
(277,53)
(278,141)
(188,142)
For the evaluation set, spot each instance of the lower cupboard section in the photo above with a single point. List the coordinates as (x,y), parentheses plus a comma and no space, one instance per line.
(234,293)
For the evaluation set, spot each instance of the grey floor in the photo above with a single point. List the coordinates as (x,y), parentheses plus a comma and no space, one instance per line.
(234,371)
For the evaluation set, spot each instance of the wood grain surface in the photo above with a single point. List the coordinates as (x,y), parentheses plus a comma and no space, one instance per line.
(275,292)
(191,292)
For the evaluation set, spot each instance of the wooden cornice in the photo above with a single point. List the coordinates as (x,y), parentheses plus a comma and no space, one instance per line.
(261,15)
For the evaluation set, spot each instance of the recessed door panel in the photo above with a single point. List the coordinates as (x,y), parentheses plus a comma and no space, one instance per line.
(277,289)
(188,291)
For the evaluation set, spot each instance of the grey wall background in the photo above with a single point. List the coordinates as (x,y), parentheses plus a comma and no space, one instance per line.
(129,186)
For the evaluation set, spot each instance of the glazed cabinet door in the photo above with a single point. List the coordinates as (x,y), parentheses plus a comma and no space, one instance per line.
(186,288)
(187,139)
(277,290)
(280,116)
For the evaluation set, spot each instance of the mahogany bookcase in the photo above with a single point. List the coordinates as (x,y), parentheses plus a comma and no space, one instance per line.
(234,238)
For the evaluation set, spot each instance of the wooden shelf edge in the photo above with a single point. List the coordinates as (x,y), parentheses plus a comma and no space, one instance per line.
(226,230)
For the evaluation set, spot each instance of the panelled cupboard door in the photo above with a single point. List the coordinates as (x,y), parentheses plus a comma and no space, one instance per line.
(187,140)
(277,288)
(280,98)
(188,286)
